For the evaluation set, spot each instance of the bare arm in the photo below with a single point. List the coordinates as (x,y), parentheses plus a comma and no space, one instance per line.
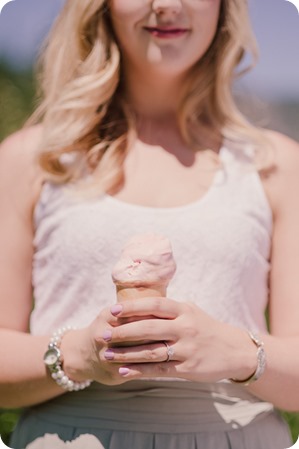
(23,378)
(280,383)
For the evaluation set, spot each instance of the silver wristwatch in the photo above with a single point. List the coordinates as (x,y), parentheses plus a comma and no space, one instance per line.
(53,360)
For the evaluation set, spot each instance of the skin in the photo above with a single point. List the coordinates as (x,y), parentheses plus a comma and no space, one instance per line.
(205,349)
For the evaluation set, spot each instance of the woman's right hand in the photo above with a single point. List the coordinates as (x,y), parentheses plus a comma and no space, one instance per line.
(83,352)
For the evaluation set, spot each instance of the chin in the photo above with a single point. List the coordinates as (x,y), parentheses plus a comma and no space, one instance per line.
(168,70)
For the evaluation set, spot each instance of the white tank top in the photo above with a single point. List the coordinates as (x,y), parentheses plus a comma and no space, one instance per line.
(221,244)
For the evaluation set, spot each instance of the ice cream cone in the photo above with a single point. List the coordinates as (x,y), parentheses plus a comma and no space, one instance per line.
(145,268)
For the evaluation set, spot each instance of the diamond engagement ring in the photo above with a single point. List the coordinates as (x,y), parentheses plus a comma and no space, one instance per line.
(169,352)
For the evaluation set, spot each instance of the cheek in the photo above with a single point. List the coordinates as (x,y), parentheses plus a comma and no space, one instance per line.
(206,22)
(206,10)
(127,9)
(126,14)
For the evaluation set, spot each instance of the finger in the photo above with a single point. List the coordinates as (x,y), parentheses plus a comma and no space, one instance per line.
(114,320)
(149,370)
(153,330)
(107,316)
(158,307)
(147,353)
(102,326)
(131,319)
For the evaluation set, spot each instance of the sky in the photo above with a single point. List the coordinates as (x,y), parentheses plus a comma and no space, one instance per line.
(24,23)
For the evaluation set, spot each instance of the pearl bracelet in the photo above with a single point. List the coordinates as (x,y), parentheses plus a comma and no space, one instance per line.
(53,361)
(261,361)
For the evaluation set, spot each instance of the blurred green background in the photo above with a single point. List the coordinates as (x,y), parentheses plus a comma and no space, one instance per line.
(17,93)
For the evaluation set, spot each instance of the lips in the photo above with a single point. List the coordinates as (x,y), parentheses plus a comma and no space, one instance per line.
(166,32)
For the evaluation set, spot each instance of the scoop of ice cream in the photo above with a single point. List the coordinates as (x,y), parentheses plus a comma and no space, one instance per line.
(146,260)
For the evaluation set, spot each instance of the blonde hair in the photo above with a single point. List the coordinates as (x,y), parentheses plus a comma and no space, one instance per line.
(83,110)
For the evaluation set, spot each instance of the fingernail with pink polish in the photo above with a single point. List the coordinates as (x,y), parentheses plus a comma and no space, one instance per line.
(123,371)
(116,309)
(107,335)
(109,354)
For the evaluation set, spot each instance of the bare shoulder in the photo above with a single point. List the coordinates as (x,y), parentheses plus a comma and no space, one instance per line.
(286,150)
(19,168)
(21,147)
(283,182)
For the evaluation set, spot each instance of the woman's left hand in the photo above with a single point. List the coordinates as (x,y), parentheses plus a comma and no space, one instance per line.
(202,349)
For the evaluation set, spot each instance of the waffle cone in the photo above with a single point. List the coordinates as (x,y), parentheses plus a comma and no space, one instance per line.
(124,292)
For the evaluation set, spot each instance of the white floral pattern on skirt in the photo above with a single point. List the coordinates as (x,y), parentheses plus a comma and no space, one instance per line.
(53,441)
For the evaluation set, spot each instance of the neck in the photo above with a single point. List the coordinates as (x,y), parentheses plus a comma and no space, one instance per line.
(153,95)
(155,99)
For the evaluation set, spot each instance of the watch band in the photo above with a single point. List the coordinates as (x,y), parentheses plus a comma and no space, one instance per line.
(261,361)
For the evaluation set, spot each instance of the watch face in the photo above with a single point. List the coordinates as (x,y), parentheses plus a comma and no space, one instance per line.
(52,356)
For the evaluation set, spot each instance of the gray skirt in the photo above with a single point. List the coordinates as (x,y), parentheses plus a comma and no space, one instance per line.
(157,415)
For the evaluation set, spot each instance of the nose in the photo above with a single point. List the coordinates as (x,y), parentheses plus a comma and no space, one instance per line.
(167,6)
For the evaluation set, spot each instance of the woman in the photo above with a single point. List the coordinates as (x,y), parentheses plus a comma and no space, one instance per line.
(139,133)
